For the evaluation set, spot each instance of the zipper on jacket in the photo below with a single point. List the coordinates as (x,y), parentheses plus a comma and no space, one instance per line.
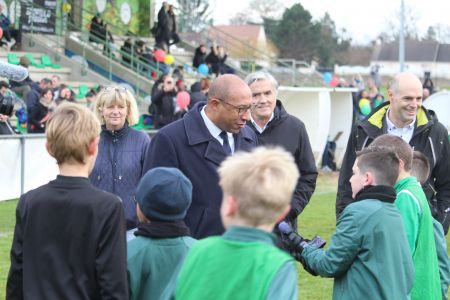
(432,151)
(365,142)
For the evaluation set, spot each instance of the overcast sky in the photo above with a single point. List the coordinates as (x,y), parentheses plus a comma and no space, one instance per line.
(363,19)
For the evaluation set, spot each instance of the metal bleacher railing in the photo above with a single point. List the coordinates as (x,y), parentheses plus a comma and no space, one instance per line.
(287,71)
(114,55)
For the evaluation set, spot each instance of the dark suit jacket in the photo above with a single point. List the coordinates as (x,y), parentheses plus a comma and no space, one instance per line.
(186,144)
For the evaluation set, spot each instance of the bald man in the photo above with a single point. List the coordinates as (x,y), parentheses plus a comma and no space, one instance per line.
(404,116)
(199,142)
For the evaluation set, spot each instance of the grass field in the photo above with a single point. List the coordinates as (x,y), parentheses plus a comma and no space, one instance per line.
(317,219)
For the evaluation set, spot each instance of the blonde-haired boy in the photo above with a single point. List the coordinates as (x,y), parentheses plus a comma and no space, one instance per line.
(244,262)
(69,238)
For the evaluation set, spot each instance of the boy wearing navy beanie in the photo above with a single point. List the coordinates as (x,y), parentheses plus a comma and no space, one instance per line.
(162,239)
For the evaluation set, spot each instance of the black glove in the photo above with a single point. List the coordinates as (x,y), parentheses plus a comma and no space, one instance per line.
(295,244)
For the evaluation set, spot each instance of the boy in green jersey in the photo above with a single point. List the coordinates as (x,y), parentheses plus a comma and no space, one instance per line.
(244,262)
(418,222)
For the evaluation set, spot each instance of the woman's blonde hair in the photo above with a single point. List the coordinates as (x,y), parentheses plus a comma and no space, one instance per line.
(261,181)
(115,94)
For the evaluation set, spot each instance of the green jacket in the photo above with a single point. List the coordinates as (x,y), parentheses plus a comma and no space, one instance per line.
(241,264)
(368,255)
(443,259)
(151,264)
(417,220)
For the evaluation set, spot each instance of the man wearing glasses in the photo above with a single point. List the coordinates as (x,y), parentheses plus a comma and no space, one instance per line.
(274,126)
(198,143)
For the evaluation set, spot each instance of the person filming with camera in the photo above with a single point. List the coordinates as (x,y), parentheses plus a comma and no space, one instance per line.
(6,109)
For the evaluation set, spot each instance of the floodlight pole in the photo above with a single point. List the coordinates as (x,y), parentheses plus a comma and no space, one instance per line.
(401,48)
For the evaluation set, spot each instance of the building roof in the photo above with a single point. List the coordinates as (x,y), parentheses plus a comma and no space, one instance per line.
(240,32)
(419,51)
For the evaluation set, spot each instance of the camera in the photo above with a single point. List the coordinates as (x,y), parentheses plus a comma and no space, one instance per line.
(6,105)
(295,243)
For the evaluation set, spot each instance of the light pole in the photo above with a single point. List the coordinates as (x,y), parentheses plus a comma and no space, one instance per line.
(401,48)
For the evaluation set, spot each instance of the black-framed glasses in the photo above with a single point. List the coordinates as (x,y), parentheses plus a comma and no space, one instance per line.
(240,109)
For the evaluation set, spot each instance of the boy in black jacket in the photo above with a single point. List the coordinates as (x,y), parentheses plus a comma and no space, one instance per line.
(69,238)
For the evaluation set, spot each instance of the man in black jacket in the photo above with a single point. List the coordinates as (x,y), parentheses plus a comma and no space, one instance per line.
(404,116)
(274,126)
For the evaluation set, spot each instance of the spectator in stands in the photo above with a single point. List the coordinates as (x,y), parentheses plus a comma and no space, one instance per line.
(55,85)
(121,151)
(90,100)
(213,60)
(223,55)
(178,73)
(377,101)
(22,87)
(39,113)
(163,99)
(199,56)
(428,84)
(372,89)
(196,94)
(97,32)
(10,32)
(205,83)
(34,95)
(163,33)
(180,85)
(5,126)
(127,51)
(358,82)
(172,22)
(65,94)
(108,42)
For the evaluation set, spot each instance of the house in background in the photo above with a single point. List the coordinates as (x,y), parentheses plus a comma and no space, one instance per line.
(420,57)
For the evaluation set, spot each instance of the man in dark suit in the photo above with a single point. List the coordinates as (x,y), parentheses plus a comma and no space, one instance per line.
(199,142)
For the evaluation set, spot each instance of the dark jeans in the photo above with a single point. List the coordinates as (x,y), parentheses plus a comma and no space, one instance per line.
(16,34)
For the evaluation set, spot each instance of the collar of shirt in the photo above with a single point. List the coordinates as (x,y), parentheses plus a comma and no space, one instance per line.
(215,131)
(260,130)
(405,133)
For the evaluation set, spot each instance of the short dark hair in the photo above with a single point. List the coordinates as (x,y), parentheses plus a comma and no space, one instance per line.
(4,84)
(383,163)
(46,81)
(398,146)
(45,91)
(420,167)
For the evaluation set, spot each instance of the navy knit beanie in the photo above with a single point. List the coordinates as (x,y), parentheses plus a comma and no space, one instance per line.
(164,194)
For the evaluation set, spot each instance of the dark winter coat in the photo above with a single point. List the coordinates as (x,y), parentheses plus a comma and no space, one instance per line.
(187,145)
(119,164)
(33,97)
(69,243)
(289,132)
(164,106)
(37,118)
(199,58)
(430,137)
(97,33)
(197,95)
